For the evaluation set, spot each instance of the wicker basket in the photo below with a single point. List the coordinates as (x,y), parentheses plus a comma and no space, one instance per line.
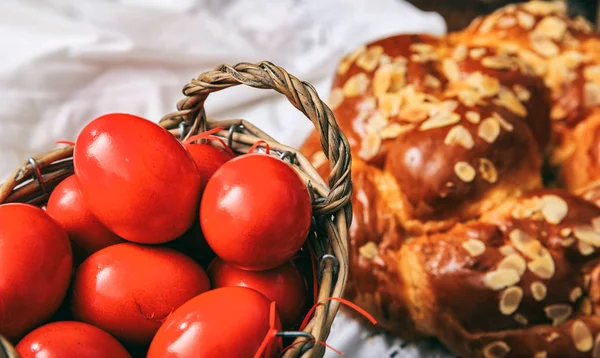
(33,182)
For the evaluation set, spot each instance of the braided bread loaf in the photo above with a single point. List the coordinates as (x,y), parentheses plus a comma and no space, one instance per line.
(454,235)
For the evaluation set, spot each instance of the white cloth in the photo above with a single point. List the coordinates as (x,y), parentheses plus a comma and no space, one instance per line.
(63,63)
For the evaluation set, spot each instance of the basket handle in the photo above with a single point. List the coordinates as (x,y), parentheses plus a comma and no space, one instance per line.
(302,95)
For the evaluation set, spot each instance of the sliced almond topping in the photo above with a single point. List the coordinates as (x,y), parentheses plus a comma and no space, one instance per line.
(347,62)
(486,85)
(488,23)
(370,146)
(510,300)
(389,104)
(369,250)
(554,209)
(588,235)
(557,113)
(575,294)
(596,224)
(459,135)
(506,21)
(592,73)
(501,278)
(421,47)
(551,27)
(507,250)
(496,349)
(527,245)
(489,130)
(596,350)
(472,117)
(558,313)
(538,290)
(565,232)
(591,94)
(515,262)
(414,112)
(537,63)
(336,97)
(544,8)
(525,20)
(488,170)
(520,319)
(356,85)
(584,248)
(439,121)
(394,130)
(376,122)
(508,100)
(581,24)
(552,337)
(497,62)
(543,266)
(474,247)
(586,307)
(545,47)
(567,242)
(431,81)
(464,171)
(506,125)
(477,53)
(460,53)
(582,337)
(423,57)
(318,159)
(382,79)
(366,105)
(522,93)
(540,354)
(451,69)
(369,59)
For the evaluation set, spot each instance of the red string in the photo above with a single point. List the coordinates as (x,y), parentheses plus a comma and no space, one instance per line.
(65,142)
(208,135)
(312,340)
(271,333)
(267,148)
(341,300)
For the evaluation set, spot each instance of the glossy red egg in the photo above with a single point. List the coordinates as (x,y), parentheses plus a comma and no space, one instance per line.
(193,244)
(69,339)
(255,212)
(87,234)
(283,284)
(128,290)
(208,159)
(35,268)
(225,322)
(136,178)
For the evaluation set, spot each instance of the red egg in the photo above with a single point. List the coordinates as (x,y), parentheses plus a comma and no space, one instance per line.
(193,244)
(283,284)
(35,268)
(208,159)
(225,322)
(69,339)
(87,234)
(136,178)
(255,212)
(128,290)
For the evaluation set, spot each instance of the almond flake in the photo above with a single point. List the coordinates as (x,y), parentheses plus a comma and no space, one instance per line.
(527,245)
(421,47)
(507,250)
(497,62)
(439,121)
(488,170)
(367,105)
(474,247)
(592,73)
(552,337)
(536,62)
(545,47)
(543,266)
(414,112)
(477,53)
(584,248)
(588,235)
(591,94)
(515,262)
(369,60)
(508,100)
(582,337)
(596,224)
(544,8)
(460,53)
(586,307)
(472,117)
(489,129)
(451,69)
(336,97)
(382,80)
(567,242)
(370,146)
(506,21)
(554,209)
(558,313)
(486,85)
(376,122)
(510,300)
(389,104)
(496,349)
(459,135)
(318,159)
(369,250)
(356,85)
(575,294)
(506,125)
(423,57)
(540,354)
(431,81)
(551,27)
(394,130)
(464,171)
(520,319)
(557,113)
(501,278)
(581,24)
(525,20)
(522,93)
(488,23)
(345,64)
